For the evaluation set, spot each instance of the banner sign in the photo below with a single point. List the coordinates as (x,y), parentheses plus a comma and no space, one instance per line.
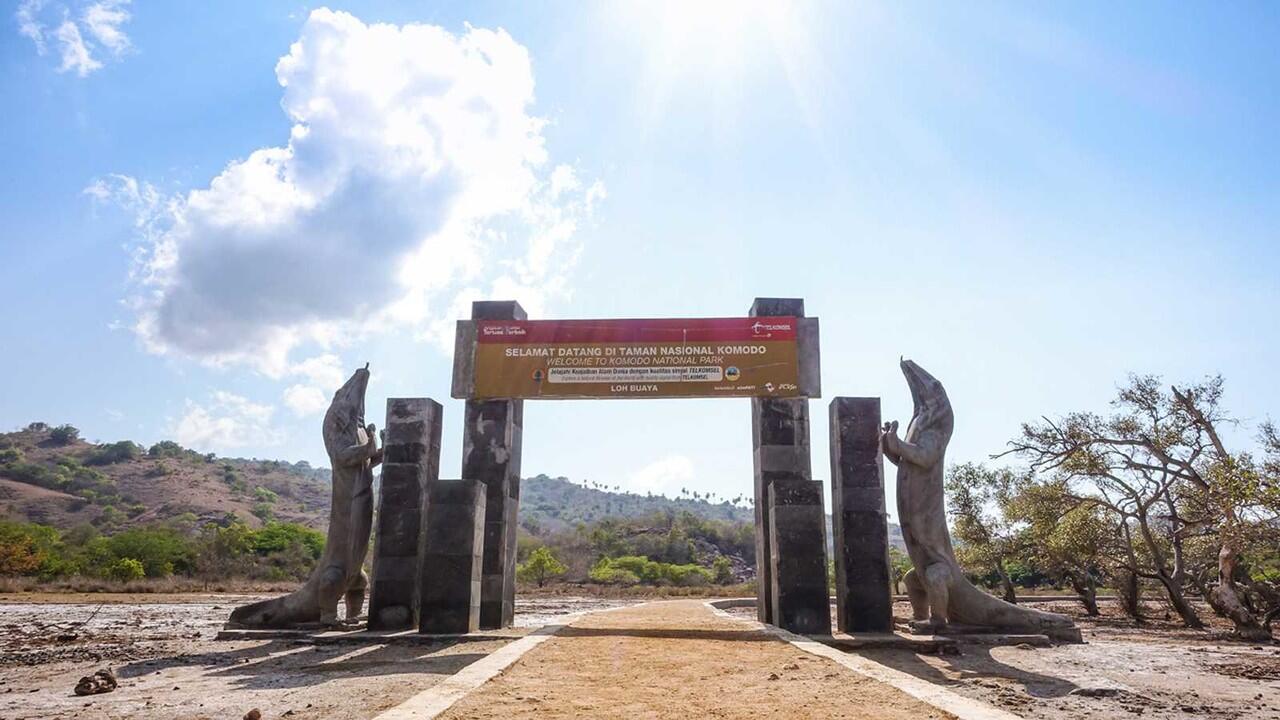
(715,357)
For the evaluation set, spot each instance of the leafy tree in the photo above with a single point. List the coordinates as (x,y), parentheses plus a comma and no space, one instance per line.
(125,570)
(985,538)
(64,434)
(723,570)
(111,453)
(1159,467)
(1070,541)
(276,537)
(899,565)
(166,448)
(541,566)
(19,552)
(161,551)
(265,495)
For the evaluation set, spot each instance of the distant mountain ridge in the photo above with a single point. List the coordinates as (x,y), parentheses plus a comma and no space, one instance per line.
(557,503)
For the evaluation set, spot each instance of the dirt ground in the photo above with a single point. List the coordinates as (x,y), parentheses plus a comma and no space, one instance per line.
(1157,671)
(675,660)
(163,651)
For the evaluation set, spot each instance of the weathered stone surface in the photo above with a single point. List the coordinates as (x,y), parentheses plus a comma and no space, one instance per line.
(864,601)
(780,451)
(412,460)
(491,454)
(449,589)
(798,562)
(353,453)
(939,592)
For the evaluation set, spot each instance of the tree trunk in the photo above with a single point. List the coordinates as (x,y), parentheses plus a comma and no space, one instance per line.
(1129,587)
(1006,583)
(1087,589)
(1172,587)
(1179,601)
(1130,594)
(1226,601)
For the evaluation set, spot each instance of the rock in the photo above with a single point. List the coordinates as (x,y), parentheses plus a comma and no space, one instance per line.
(1096,692)
(103,681)
(791,666)
(254,714)
(773,676)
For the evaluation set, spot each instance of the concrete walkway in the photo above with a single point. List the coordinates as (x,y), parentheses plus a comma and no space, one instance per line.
(679,659)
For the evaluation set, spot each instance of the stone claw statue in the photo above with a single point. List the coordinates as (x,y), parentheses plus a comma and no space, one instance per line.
(939,592)
(353,452)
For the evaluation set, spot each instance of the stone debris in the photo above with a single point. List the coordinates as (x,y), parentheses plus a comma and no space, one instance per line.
(103,681)
(254,714)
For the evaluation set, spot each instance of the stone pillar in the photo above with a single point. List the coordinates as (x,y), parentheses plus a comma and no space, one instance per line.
(780,442)
(797,533)
(491,454)
(411,459)
(864,602)
(449,589)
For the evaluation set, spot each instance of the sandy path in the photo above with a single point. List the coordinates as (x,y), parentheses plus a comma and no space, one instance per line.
(171,668)
(679,660)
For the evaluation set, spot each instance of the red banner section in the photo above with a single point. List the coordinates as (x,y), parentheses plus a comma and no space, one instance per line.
(636,331)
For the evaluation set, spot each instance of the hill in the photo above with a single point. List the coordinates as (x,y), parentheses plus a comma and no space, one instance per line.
(49,475)
(557,503)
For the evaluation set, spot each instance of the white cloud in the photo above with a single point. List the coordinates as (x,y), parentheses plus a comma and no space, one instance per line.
(305,401)
(665,476)
(323,370)
(75,54)
(413,176)
(28,17)
(226,422)
(101,20)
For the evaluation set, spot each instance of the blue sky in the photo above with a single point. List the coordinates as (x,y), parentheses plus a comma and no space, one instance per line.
(1030,200)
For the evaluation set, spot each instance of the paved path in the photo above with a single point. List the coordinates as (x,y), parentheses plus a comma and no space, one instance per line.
(678,659)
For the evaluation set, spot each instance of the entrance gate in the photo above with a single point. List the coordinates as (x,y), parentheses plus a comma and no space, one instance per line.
(445,549)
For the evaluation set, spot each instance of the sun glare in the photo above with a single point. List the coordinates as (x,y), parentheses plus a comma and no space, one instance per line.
(720,49)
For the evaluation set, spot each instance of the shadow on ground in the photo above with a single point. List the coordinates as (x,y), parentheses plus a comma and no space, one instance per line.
(974,662)
(284,664)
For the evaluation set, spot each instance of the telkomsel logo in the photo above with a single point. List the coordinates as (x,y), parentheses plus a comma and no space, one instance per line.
(761,329)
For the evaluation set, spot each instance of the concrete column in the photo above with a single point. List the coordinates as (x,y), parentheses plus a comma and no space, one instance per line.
(864,602)
(797,533)
(491,454)
(449,590)
(411,459)
(780,442)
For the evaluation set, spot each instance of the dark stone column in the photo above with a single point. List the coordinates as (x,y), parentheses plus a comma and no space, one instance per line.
(449,591)
(491,454)
(411,459)
(797,532)
(864,602)
(780,441)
